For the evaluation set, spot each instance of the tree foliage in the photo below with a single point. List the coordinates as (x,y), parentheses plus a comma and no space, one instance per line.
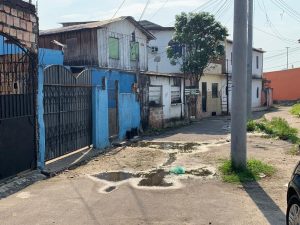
(198,40)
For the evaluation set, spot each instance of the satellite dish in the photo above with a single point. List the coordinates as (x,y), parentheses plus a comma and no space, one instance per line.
(157,58)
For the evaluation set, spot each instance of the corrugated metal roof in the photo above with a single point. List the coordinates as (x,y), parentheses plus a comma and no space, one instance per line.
(153,26)
(97,24)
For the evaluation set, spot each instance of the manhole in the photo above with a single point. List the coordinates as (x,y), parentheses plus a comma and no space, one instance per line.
(115,176)
(155,178)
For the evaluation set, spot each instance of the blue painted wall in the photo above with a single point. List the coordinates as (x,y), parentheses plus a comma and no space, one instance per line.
(50,57)
(129,113)
(129,108)
(100,111)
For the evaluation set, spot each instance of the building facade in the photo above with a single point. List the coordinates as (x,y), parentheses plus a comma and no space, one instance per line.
(120,43)
(285,84)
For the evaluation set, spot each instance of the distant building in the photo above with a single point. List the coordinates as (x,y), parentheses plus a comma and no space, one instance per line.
(285,84)
(213,84)
(257,76)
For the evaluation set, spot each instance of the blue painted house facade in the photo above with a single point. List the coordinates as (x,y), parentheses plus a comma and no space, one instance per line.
(115,106)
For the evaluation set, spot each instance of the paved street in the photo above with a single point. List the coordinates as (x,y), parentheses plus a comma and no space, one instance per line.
(86,195)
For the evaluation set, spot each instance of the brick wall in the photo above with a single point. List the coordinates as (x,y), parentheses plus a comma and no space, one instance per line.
(156,117)
(18,19)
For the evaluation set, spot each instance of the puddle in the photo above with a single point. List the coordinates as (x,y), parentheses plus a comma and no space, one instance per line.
(115,176)
(168,145)
(200,172)
(155,179)
(110,189)
(172,158)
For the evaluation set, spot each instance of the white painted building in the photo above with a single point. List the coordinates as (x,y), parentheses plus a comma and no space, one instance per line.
(212,85)
(166,84)
(257,79)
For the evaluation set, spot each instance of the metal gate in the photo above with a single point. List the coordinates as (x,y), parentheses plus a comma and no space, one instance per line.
(17,107)
(67,110)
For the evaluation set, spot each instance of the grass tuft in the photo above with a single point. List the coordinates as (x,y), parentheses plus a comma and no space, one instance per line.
(295,110)
(255,169)
(277,128)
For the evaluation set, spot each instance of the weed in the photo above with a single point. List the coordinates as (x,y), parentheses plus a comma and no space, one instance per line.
(294,150)
(295,110)
(277,128)
(255,168)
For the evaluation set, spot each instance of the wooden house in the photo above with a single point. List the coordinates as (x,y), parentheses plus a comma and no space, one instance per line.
(119,43)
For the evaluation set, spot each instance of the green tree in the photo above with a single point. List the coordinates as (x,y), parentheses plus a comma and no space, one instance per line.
(198,41)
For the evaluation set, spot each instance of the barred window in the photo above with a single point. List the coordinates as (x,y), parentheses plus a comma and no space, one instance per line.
(155,93)
(214,90)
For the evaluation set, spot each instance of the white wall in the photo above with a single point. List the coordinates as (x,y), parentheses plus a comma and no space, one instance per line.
(122,30)
(256,101)
(169,110)
(257,72)
(162,40)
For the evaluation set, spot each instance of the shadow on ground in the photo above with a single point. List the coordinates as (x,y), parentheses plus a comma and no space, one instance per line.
(265,203)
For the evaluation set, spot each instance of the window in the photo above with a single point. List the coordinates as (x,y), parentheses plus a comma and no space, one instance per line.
(175,94)
(214,90)
(155,95)
(113,45)
(257,92)
(134,51)
(176,47)
(257,62)
(154,49)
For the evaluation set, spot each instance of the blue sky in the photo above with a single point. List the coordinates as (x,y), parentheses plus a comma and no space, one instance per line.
(275,27)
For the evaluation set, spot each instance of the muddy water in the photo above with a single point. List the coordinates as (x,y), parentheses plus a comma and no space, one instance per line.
(116,176)
(155,178)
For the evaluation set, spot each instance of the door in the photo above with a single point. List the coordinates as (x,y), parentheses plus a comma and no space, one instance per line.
(113,90)
(204,96)
(17,108)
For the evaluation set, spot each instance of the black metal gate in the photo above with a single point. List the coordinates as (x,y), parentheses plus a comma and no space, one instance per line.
(17,107)
(67,110)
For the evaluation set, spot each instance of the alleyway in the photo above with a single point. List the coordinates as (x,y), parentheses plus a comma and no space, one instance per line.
(89,195)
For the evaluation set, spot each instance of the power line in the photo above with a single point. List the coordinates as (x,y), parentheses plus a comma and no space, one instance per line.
(118,9)
(160,8)
(145,8)
(280,65)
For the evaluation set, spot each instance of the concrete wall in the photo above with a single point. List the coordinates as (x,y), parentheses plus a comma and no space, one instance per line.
(163,37)
(129,114)
(100,111)
(19,20)
(170,111)
(50,57)
(256,93)
(213,104)
(285,84)
(128,106)
(257,72)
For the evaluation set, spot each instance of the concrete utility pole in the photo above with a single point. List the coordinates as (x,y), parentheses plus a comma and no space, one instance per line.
(249,59)
(239,88)
(287,58)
